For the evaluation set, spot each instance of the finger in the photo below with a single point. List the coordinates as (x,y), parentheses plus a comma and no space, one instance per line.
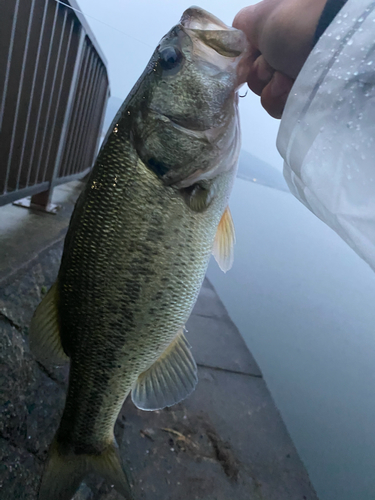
(275,94)
(245,21)
(260,74)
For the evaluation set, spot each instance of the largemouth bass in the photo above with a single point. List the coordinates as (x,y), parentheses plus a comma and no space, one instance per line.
(138,246)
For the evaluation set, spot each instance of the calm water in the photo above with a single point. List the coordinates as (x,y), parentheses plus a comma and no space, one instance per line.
(305,305)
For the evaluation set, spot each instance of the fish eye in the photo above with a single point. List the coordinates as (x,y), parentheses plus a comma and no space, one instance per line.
(169,57)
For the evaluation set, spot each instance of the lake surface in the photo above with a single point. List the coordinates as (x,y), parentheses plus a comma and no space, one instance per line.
(305,305)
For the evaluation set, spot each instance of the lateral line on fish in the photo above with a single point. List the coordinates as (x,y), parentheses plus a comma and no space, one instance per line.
(102,22)
(237,372)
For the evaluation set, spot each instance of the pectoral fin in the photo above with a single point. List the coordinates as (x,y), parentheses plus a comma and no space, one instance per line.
(44,332)
(225,238)
(169,380)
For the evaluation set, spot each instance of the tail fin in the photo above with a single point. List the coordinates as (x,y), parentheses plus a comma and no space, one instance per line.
(64,473)
(109,465)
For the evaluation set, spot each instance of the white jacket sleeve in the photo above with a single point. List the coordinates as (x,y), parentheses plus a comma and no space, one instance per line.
(327,133)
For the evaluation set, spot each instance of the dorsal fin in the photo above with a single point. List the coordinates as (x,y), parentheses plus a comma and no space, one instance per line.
(169,380)
(44,332)
(225,238)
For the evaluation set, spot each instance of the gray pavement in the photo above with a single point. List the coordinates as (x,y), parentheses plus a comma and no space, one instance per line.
(226,441)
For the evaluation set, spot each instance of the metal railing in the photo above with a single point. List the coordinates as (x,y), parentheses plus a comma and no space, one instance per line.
(53,94)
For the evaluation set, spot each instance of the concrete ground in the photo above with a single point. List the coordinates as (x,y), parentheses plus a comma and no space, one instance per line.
(225,442)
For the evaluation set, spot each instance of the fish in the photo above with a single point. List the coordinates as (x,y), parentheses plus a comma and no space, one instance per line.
(137,249)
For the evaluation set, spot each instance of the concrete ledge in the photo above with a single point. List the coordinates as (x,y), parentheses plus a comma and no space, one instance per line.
(25,233)
(215,340)
(225,442)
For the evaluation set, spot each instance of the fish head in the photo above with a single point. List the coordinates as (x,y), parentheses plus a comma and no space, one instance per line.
(185,120)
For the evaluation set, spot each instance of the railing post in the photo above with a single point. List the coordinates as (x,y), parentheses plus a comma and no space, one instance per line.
(43,201)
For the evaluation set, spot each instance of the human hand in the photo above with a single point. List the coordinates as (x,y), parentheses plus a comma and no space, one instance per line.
(281,34)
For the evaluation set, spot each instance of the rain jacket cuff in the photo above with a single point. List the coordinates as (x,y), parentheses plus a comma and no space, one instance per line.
(330,11)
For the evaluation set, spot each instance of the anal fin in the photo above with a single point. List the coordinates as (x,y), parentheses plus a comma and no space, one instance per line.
(44,332)
(169,380)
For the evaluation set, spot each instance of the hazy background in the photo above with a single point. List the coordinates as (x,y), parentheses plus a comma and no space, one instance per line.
(301,298)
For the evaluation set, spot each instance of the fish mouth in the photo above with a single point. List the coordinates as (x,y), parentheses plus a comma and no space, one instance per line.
(214,41)
(197,18)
